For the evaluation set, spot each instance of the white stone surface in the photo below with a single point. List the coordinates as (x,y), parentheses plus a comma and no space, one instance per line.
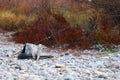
(69,67)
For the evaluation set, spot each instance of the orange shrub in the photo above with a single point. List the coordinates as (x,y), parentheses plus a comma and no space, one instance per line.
(55,30)
(107,34)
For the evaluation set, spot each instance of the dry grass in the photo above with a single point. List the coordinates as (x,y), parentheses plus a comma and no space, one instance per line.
(12,21)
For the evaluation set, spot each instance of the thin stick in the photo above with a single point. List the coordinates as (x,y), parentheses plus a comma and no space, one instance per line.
(18,52)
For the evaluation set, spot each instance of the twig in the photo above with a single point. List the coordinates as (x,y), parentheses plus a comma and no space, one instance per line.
(18,52)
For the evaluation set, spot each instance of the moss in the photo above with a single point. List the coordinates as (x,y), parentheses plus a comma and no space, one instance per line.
(108,51)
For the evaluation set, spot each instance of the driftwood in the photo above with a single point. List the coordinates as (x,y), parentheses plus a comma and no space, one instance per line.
(18,52)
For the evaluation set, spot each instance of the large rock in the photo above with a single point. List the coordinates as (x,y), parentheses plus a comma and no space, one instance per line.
(31,51)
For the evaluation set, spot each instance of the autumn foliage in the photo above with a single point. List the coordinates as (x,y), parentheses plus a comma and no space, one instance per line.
(71,23)
(55,32)
(108,35)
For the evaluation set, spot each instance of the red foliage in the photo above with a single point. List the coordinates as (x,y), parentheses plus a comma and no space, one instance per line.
(107,35)
(56,31)
(46,33)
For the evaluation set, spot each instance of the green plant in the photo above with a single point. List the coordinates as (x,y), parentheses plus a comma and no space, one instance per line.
(108,51)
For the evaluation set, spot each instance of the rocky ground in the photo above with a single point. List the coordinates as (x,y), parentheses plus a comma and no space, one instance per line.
(89,65)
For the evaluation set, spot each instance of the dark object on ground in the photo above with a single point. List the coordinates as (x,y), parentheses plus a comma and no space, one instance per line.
(66,53)
(30,51)
(58,67)
(23,56)
(46,57)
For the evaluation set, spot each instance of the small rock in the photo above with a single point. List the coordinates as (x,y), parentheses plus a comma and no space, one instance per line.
(18,67)
(36,79)
(53,59)
(66,53)
(11,78)
(102,76)
(67,79)
(60,66)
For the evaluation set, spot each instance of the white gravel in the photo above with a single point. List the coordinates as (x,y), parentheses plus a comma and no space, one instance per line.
(88,66)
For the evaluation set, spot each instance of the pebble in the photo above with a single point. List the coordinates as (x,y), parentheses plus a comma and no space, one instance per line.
(65,67)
